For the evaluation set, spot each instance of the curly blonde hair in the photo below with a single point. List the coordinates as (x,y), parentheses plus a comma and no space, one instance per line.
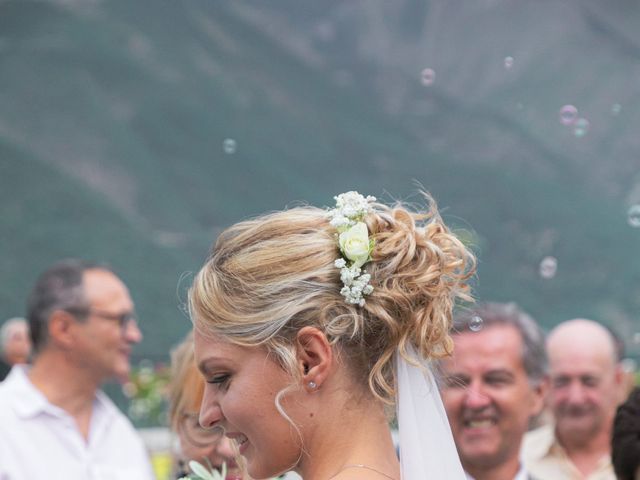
(269,277)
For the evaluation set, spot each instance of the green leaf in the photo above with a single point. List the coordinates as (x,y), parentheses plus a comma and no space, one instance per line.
(201,471)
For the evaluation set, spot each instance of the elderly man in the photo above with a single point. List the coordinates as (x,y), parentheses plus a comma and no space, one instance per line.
(494,385)
(15,345)
(56,423)
(585,380)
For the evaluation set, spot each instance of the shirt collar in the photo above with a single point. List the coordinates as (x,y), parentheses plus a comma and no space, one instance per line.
(553,447)
(28,401)
(25,398)
(521,475)
(545,443)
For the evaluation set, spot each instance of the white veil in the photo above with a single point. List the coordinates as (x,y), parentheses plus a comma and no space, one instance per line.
(427,450)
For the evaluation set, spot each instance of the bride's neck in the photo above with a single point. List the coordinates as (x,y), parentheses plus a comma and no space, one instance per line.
(353,433)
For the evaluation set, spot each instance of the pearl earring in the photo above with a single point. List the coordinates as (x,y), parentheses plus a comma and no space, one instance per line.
(312,384)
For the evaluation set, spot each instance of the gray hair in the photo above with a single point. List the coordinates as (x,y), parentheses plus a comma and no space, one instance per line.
(60,287)
(7,328)
(534,355)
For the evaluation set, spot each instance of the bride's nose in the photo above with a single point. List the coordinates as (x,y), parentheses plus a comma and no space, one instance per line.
(210,412)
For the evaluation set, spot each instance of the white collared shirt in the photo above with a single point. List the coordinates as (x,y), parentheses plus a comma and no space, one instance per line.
(40,440)
(546,458)
(521,475)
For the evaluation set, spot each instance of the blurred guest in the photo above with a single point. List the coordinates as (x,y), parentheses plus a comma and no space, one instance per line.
(629,369)
(585,379)
(494,385)
(206,446)
(15,345)
(56,423)
(625,443)
(627,365)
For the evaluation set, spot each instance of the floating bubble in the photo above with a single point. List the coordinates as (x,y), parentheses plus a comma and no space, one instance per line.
(476,323)
(548,267)
(568,115)
(581,127)
(145,364)
(129,389)
(616,108)
(508,63)
(629,365)
(428,76)
(145,376)
(229,146)
(633,216)
(636,338)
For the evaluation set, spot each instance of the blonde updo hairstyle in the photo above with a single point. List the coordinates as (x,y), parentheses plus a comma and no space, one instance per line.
(269,277)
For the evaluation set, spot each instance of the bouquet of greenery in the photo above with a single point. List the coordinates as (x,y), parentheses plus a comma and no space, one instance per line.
(200,472)
(146,390)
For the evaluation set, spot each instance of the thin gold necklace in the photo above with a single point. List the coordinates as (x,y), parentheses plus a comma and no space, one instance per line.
(360,465)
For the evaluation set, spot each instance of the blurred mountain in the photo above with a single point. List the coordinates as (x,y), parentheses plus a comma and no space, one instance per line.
(133,132)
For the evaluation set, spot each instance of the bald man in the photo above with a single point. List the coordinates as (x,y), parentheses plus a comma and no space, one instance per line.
(585,382)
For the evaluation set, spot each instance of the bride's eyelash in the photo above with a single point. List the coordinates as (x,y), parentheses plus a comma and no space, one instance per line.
(221,379)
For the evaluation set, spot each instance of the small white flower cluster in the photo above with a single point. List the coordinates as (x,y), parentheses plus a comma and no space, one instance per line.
(356,283)
(354,244)
(351,207)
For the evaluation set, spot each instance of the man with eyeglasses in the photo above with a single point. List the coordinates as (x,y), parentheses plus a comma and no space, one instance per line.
(55,421)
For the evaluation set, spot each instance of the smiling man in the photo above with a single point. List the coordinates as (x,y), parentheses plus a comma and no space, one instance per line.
(494,385)
(585,382)
(56,423)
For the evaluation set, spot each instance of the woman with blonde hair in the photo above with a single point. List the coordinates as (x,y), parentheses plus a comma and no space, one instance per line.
(206,446)
(308,323)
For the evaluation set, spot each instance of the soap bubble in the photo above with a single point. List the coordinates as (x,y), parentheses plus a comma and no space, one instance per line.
(476,323)
(145,364)
(568,115)
(581,127)
(229,146)
(633,216)
(636,338)
(548,267)
(508,63)
(616,108)
(629,365)
(129,389)
(428,76)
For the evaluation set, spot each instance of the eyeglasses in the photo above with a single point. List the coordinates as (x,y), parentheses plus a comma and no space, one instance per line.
(198,436)
(123,319)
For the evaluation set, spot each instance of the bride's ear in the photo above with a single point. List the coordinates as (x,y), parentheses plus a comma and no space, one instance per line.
(314,357)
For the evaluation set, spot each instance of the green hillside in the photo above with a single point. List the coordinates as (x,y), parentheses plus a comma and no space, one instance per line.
(114,115)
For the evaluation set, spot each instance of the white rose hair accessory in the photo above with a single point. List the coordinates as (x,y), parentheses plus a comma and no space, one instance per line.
(354,244)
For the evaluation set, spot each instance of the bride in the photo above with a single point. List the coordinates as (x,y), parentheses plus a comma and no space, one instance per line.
(310,324)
